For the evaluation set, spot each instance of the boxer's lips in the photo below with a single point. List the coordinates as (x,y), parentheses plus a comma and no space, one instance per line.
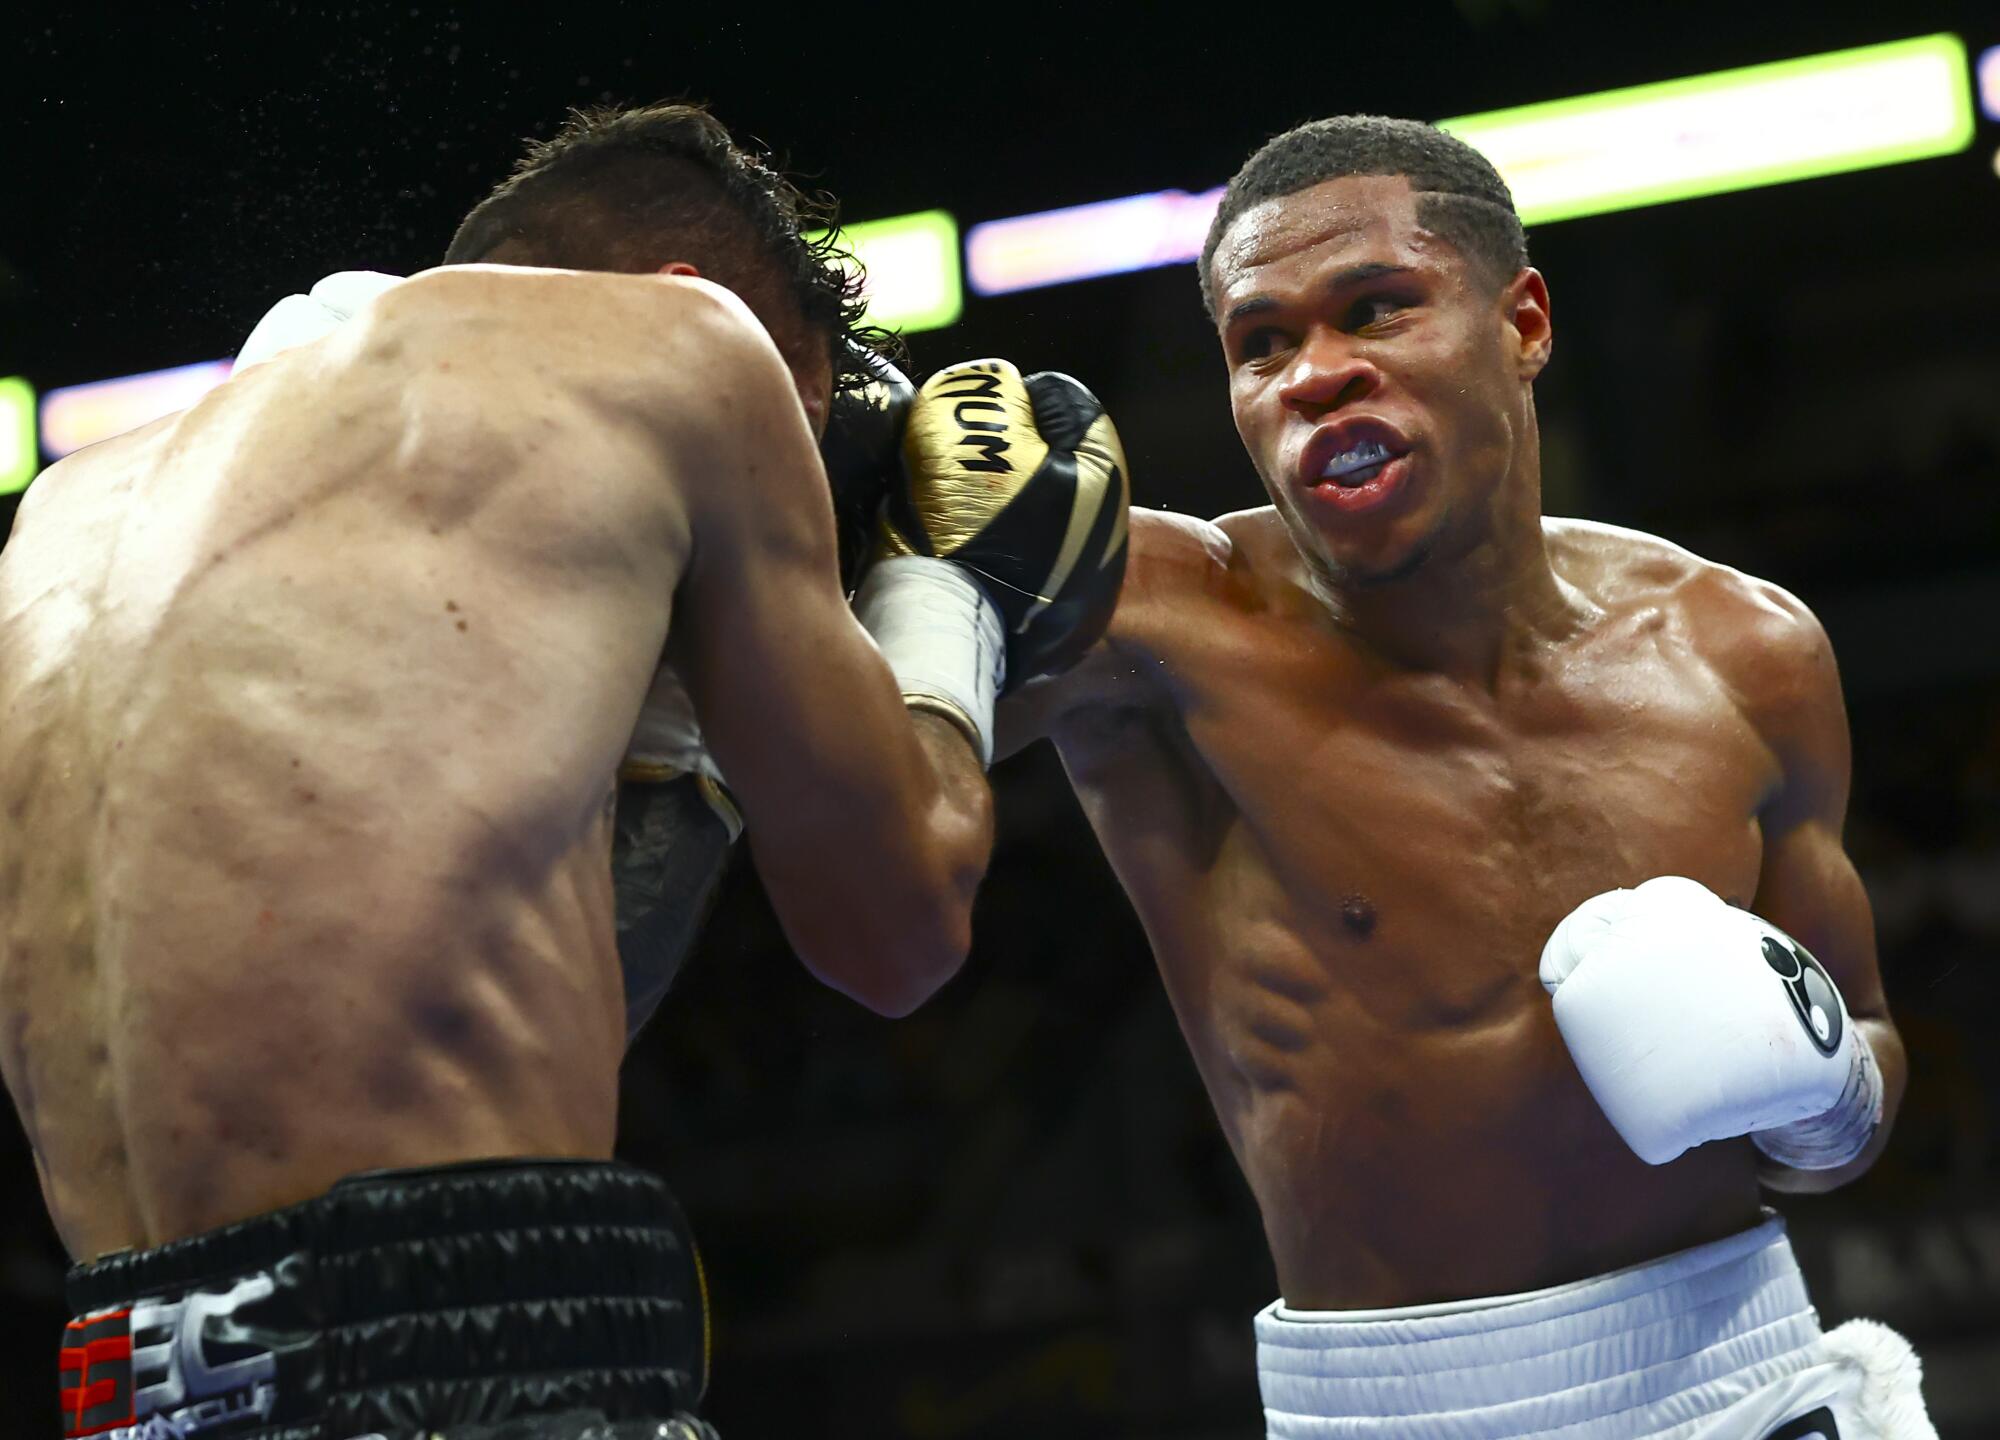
(1350,453)
(1376,486)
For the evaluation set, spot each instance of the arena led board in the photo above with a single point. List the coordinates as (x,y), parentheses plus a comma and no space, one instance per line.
(17,434)
(1081,242)
(80,415)
(914,281)
(1734,130)
(1847,110)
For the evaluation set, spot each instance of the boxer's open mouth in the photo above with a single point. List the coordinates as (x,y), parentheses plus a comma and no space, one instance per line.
(1358,464)
(1348,454)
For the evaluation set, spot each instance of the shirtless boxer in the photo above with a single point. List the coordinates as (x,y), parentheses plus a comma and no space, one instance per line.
(311,703)
(1357,754)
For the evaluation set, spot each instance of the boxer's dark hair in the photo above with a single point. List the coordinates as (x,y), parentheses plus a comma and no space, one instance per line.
(630,188)
(1460,196)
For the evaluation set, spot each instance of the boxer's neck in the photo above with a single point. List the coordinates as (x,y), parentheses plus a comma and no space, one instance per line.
(1485,591)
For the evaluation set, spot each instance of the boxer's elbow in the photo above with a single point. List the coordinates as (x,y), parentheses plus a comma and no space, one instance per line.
(902,940)
(899,956)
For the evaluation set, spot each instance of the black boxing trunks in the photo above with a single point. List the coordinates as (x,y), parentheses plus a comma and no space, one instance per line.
(501,1300)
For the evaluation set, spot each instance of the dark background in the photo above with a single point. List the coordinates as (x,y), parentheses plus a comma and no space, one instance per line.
(1012,1213)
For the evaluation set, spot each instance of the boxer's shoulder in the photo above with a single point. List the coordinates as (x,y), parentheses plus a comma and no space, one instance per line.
(1184,573)
(1761,641)
(1174,552)
(1619,567)
(1171,561)
(582,322)
(519,349)
(1227,560)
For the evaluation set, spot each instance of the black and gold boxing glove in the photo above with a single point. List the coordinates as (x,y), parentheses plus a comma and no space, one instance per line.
(862,450)
(1002,549)
(1021,481)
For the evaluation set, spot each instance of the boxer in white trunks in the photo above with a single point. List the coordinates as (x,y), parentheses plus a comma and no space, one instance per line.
(1391,762)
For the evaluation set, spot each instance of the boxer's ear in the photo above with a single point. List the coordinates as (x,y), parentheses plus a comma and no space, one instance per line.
(678,267)
(1525,302)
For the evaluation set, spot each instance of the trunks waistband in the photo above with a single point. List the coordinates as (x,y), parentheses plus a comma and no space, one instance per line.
(1689,1332)
(399,1299)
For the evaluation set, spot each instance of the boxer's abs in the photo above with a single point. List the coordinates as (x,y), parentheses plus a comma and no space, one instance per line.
(305,788)
(1408,1118)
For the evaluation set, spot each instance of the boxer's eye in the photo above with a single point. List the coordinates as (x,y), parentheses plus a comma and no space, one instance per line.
(1260,343)
(1373,310)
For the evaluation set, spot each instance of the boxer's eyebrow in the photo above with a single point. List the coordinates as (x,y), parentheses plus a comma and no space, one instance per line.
(1256,305)
(1361,274)
(1341,280)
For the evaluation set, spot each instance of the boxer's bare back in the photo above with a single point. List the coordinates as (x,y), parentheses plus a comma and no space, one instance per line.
(1347,869)
(313,698)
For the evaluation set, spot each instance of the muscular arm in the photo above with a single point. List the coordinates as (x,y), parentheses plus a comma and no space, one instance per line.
(1168,551)
(871,828)
(1808,886)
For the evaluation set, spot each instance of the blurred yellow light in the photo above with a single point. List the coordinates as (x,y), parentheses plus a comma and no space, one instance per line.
(17,435)
(1735,129)
(913,269)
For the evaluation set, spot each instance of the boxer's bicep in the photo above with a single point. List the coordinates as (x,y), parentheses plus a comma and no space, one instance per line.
(1120,672)
(1807,885)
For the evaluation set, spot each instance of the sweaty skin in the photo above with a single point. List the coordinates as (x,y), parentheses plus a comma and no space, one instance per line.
(1353,767)
(311,704)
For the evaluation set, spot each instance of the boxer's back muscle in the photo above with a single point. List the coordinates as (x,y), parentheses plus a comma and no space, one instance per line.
(312,698)
(1347,873)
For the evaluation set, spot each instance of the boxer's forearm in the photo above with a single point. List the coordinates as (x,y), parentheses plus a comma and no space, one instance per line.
(963,816)
(1887,1045)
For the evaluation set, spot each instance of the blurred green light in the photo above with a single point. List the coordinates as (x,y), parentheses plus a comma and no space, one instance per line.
(913,269)
(1733,130)
(17,435)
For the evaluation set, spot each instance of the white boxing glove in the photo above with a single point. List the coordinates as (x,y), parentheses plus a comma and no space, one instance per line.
(1691,1020)
(297,319)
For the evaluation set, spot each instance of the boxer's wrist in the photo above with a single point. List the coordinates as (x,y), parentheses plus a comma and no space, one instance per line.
(1837,1136)
(942,638)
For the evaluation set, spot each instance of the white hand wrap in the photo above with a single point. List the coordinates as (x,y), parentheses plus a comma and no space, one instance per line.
(297,319)
(1829,1141)
(1691,1020)
(942,638)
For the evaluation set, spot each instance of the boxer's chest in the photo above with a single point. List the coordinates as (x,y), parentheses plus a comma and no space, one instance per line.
(1405,817)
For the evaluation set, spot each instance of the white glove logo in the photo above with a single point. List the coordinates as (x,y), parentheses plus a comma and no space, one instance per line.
(1814,999)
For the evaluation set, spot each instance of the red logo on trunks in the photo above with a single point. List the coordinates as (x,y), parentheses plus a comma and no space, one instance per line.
(96,1373)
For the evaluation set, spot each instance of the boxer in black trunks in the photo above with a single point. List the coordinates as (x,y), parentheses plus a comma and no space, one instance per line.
(315,696)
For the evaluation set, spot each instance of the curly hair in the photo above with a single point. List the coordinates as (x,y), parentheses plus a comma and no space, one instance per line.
(1460,196)
(630,188)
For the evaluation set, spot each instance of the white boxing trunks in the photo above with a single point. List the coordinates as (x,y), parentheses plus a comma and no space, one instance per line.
(1715,1343)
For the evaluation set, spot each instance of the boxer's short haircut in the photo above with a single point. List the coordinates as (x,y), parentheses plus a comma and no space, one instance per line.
(631,188)
(1460,196)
